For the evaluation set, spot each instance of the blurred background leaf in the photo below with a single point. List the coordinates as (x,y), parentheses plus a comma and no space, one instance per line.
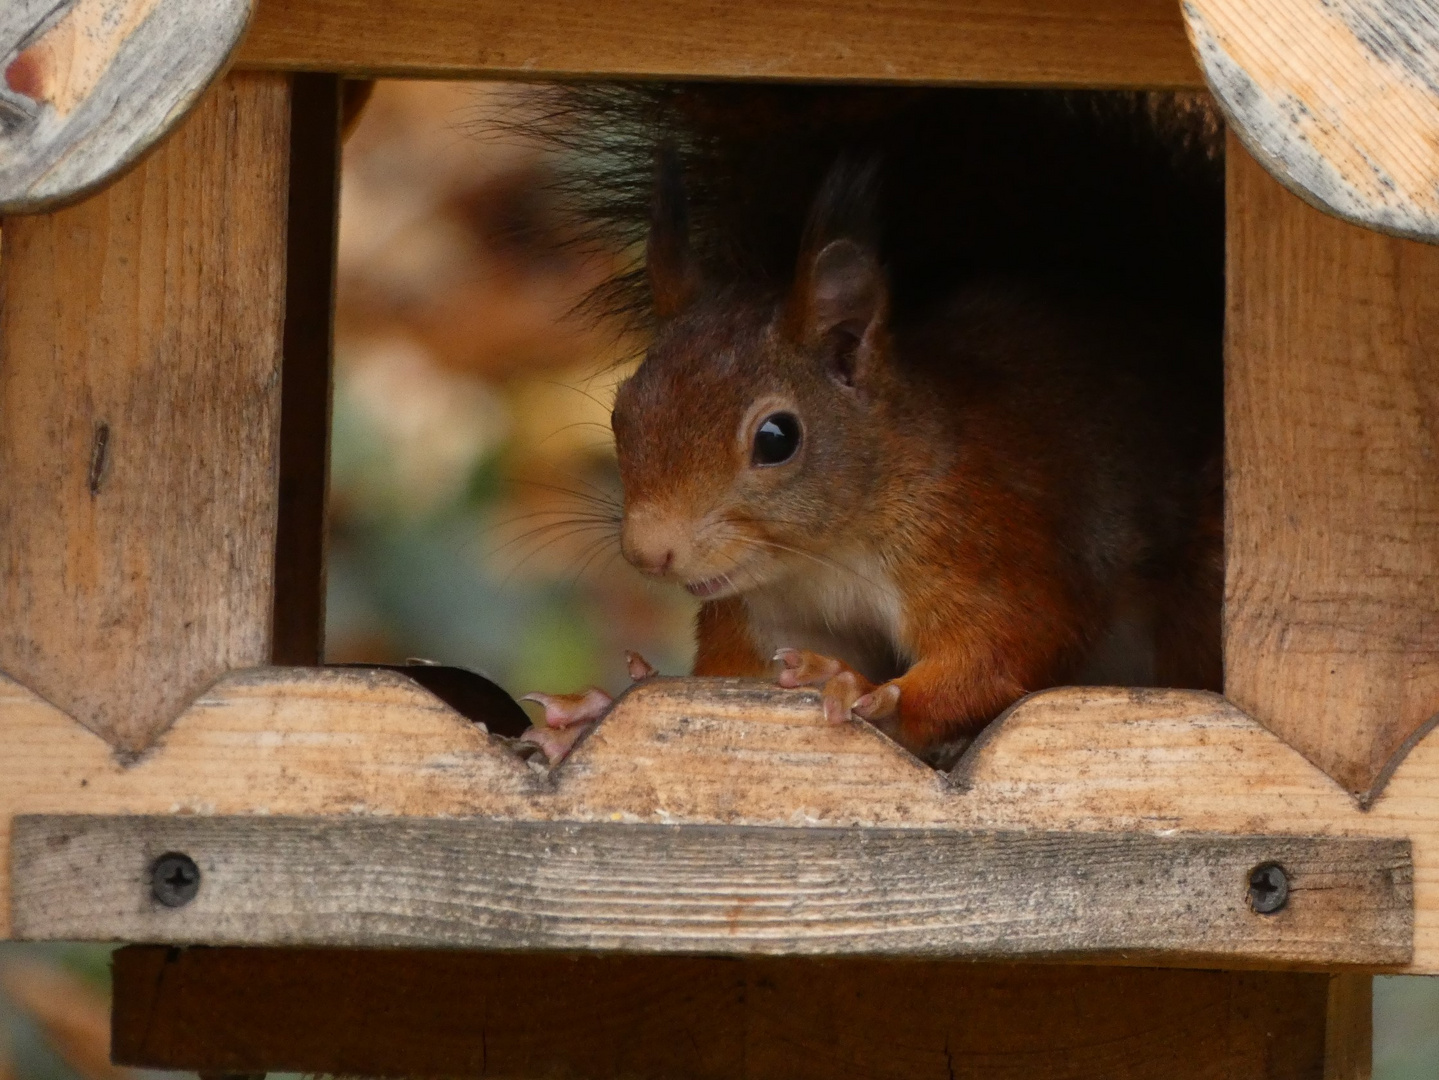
(471,444)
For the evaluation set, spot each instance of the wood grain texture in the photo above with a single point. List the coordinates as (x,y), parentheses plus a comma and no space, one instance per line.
(1339,100)
(1113,43)
(139,418)
(383,1013)
(716,752)
(730,890)
(90,85)
(1332,421)
(1349,1028)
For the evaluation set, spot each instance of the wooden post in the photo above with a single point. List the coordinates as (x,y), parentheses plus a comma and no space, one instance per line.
(1332,398)
(140,362)
(1332,391)
(121,648)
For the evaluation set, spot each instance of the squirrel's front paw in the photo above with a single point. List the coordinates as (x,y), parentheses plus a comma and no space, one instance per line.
(800,667)
(568,716)
(844,692)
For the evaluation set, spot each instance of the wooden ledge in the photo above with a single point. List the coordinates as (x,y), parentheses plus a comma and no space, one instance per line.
(1108,43)
(308,742)
(707,889)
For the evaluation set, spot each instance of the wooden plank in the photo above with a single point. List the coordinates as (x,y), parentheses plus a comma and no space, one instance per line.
(1339,100)
(90,85)
(1349,1028)
(1332,404)
(1112,43)
(715,752)
(309,339)
(386,1013)
(712,889)
(139,414)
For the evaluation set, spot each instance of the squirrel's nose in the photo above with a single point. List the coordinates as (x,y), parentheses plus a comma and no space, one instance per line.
(652,542)
(651,564)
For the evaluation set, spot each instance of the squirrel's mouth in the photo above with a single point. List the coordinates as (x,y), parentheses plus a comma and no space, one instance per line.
(707,587)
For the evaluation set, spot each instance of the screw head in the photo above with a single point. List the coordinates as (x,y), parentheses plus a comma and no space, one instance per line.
(174,879)
(1268,888)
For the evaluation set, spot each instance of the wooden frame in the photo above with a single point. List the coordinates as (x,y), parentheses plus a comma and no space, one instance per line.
(159,639)
(598,886)
(416,1013)
(1135,43)
(722,753)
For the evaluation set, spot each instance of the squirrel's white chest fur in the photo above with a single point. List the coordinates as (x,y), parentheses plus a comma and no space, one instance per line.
(849,608)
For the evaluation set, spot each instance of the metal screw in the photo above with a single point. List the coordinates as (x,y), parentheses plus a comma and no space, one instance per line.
(1268,888)
(174,879)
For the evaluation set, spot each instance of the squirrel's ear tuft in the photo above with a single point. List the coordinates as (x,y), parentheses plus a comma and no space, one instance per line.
(840,297)
(669,261)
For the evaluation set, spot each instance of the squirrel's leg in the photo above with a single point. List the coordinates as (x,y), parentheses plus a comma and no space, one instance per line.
(941,698)
(568,716)
(934,702)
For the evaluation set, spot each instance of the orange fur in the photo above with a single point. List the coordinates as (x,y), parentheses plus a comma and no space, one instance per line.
(723,645)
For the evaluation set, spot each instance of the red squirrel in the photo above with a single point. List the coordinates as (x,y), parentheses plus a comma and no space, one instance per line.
(925,510)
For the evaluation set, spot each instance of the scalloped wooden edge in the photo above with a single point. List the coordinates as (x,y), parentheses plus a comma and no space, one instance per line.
(714,751)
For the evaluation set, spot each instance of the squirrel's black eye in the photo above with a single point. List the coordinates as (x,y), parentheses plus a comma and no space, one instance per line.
(777,439)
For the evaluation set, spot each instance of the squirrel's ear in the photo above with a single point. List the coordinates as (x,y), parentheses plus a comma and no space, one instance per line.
(841,298)
(669,261)
(841,306)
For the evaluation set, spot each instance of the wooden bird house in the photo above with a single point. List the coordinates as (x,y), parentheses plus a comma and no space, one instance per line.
(1112,883)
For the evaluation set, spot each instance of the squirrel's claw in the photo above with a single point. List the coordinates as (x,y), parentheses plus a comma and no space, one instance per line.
(800,667)
(555,743)
(638,667)
(567,717)
(880,704)
(841,687)
(844,693)
(568,710)
(840,694)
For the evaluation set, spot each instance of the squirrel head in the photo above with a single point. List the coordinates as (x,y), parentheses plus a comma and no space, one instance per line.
(748,441)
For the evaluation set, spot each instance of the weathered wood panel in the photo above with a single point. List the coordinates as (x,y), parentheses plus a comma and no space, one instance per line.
(381,1013)
(313,217)
(1019,42)
(90,85)
(716,752)
(139,418)
(1332,414)
(712,889)
(1339,100)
